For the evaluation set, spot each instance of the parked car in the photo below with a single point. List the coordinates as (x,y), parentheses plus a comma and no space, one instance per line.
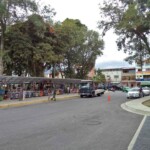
(146,91)
(90,91)
(135,93)
(117,88)
(126,89)
(111,89)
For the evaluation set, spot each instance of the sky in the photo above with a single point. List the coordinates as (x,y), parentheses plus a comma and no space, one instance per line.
(87,11)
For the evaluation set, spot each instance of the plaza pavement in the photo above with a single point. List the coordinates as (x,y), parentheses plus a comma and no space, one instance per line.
(141,139)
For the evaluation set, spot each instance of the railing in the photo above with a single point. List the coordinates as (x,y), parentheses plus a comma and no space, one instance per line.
(148,79)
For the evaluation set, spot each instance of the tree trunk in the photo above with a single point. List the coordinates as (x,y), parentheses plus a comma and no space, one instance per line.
(1,51)
(54,71)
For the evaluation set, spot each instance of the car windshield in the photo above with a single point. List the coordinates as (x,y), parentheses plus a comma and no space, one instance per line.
(146,88)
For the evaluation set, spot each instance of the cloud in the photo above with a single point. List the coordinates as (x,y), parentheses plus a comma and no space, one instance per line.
(113,64)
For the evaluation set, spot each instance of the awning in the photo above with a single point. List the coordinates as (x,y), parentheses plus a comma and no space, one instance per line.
(21,80)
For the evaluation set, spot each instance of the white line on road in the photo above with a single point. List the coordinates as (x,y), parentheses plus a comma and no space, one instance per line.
(130,147)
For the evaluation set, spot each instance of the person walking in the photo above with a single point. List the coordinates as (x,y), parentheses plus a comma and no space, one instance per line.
(54,95)
(49,94)
(20,96)
(141,91)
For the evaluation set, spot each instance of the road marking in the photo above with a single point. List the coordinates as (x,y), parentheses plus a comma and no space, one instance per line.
(132,143)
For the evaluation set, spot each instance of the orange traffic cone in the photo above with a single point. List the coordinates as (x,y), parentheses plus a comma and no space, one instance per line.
(109,98)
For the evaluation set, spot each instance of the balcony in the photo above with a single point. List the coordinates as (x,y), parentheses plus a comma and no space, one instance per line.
(148,79)
(143,73)
(128,74)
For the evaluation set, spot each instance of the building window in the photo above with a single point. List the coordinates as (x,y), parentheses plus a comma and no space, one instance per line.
(116,76)
(146,76)
(125,71)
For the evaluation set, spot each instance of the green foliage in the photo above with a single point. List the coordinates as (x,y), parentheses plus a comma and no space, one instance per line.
(83,47)
(88,52)
(130,21)
(9,15)
(34,43)
(29,47)
(10,8)
(99,77)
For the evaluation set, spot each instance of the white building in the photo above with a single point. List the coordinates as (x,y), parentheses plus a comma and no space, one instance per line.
(113,75)
(124,76)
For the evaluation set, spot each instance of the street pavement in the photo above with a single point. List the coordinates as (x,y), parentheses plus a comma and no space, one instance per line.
(141,138)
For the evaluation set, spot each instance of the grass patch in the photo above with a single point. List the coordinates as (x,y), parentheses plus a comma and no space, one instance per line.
(146,103)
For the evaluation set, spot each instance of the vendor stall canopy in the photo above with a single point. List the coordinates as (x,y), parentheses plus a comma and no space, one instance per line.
(22,80)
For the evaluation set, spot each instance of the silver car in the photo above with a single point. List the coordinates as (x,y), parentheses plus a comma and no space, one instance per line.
(146,91)
(135,93)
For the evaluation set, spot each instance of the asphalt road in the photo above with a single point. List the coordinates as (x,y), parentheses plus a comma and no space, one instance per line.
(78,124)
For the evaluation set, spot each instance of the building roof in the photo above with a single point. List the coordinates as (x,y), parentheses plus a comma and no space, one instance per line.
(111,69)
(128,68)
(21,80)
(123,68)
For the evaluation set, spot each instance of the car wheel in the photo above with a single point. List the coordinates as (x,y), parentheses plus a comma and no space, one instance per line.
(99,94)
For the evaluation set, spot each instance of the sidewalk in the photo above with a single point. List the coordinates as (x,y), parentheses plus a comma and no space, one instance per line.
(141,139)
(35,100)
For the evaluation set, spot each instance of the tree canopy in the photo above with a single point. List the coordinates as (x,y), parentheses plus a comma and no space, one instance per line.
(29,47)
(31,42)
(9,14)
(83,47)
(99,77)
(35,45)
(130,21)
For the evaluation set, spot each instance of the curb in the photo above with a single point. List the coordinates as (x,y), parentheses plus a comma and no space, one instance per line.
(134,110)
(136,106)
(133,141)
(26,103)
(22,103)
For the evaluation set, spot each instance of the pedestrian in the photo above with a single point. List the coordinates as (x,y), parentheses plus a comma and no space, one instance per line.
(54,95)
(49,94)
(20,96)
(68,89)
(141,91)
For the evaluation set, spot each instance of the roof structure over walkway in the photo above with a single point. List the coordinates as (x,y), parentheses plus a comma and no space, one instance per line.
(21,80)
